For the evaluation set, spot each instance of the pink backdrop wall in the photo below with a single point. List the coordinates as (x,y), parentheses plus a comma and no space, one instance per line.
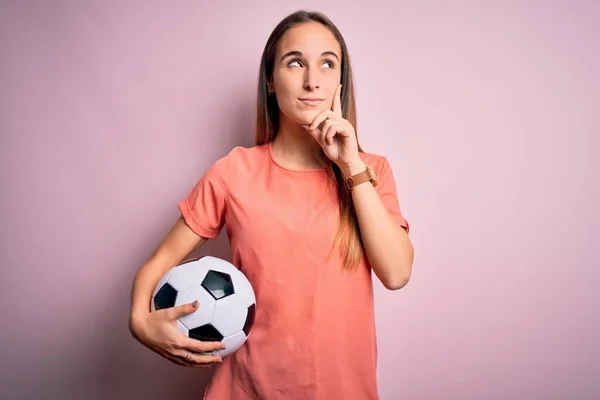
(488,112)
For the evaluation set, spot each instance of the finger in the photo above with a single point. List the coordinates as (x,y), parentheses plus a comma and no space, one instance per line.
(326,125)
(322,116)
(329,134)
(332,131)
(328,131)
(199,346)
(196,359)
(318,135)
(177,361)
(337,102)
(183,309)
(174,359)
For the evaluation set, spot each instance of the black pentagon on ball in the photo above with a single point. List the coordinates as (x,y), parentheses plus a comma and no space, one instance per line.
(165,297)
(206,333)
(249,319)
(218,284)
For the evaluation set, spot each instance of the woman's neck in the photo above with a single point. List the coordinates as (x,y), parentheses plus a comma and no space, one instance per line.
(295,148)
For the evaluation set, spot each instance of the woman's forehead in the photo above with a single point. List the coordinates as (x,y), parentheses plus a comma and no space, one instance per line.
(310,39)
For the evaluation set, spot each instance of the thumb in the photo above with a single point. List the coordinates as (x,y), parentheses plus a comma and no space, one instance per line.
(184,309)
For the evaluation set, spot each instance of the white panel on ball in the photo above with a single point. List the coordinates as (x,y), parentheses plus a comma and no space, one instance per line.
(230,315)
(232,344)
(187,275)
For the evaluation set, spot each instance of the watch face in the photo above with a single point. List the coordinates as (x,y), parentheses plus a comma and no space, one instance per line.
(349,183)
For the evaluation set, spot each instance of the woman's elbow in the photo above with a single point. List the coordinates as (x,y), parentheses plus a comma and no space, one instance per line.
(398,280)
(397,283)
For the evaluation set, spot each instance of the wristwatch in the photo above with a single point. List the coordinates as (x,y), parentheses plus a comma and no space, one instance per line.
(361,177)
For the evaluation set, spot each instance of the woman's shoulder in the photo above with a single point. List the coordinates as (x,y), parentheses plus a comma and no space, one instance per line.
(240,156)
(237,160)
(251,152)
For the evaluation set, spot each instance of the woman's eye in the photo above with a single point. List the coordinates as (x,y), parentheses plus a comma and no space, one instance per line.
(297,63)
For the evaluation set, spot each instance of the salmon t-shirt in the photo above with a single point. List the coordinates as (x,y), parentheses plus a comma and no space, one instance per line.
(314,330)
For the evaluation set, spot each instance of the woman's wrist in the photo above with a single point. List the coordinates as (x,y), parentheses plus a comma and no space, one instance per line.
(353,168)
(136,316)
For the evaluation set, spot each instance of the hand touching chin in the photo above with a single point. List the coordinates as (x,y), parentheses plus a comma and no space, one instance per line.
(306,117)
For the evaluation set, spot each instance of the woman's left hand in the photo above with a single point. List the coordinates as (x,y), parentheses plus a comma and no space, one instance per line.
(336,136)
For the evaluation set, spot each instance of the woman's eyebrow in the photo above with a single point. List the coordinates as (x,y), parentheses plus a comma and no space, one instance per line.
(297,53)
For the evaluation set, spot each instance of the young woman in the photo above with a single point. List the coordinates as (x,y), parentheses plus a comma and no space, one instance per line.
(309,216)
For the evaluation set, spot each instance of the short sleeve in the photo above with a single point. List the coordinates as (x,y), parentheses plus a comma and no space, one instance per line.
(386,187)
(203,209)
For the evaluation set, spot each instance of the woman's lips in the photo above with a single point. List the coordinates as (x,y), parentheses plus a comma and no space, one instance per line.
(311,101)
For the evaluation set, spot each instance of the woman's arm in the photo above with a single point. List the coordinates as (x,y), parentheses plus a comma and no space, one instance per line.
(387,244)
(179,242)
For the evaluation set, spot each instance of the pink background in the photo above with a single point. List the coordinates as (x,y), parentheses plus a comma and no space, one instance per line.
(487,111)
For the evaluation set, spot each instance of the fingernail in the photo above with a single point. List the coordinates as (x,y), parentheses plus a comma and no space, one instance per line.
(195,304)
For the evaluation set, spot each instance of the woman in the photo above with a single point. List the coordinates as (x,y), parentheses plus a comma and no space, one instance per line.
(309,215)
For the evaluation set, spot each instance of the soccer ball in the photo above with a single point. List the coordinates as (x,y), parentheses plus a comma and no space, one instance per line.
(226,297)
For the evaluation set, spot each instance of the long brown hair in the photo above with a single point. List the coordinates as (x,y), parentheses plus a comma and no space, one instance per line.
(267,124)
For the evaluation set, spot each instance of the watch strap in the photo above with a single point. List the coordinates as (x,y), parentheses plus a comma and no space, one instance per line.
(362,177)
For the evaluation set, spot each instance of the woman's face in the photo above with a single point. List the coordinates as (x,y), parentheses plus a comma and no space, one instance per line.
(306,72)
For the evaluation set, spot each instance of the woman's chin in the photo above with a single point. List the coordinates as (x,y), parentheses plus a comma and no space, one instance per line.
(305,117)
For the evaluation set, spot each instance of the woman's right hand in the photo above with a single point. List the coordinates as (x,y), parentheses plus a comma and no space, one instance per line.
(158,331)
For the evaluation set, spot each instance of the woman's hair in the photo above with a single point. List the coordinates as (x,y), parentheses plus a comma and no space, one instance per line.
(267,124)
